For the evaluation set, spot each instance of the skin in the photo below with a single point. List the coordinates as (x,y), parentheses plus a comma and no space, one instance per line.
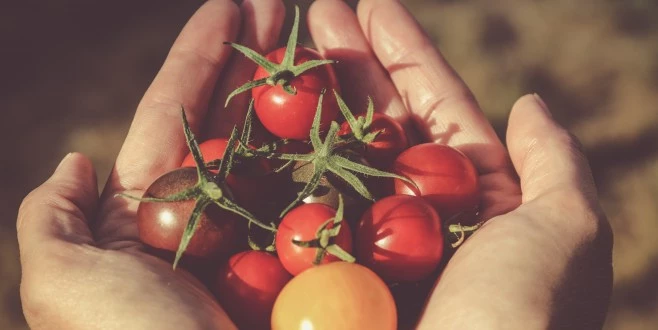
(542,261)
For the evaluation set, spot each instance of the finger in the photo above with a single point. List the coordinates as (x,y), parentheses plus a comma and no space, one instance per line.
(57,211)
(262,21)
(155,142)
(432,91)
(338,36)
(546,156)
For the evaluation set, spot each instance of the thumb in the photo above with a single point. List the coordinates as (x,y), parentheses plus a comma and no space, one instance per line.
(546,156)
(58,210)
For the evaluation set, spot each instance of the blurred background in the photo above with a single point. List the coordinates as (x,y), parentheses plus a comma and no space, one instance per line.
(73,71)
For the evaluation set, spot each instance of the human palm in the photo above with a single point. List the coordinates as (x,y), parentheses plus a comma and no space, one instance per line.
(542,260)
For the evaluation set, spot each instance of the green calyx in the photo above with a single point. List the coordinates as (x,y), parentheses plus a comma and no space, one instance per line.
(324,238)
(211,188)
(279,74)
(361,131)
(329,157)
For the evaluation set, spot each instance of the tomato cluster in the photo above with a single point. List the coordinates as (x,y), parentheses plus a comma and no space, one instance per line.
(348,211)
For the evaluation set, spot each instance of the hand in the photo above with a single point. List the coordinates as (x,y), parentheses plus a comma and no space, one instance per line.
(543,260)
(83,264)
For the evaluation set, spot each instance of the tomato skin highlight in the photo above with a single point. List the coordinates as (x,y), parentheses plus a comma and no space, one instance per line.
(161,225)
(301,224)
(387,145)
(247,286)
(291,116)
(445,177)
(400,238)
(338,295)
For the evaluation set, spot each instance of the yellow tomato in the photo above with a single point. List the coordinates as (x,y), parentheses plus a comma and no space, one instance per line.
(338,295)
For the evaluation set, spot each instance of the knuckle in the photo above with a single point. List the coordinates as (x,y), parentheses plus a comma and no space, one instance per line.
(29,202)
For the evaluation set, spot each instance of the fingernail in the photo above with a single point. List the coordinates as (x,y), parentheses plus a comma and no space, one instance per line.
(64,160)
(543,105)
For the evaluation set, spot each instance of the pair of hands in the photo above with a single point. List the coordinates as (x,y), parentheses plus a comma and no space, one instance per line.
(542,261)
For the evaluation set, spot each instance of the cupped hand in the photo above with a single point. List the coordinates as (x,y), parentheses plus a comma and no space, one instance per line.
(541,261)
(83,265)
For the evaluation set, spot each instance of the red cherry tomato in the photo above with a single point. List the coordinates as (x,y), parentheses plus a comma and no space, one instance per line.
(161,225)
(339,295)
(387,145)
(291,116)
(247,286)
(301,224)
(445,177)
(400,238)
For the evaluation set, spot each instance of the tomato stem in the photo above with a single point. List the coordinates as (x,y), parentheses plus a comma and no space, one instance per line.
(280,74)
(461,231)
(328,156)
(360,126)
(191,227)
(323,241)
(255,246)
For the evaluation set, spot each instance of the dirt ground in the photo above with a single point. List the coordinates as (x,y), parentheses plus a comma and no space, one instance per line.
(72,72)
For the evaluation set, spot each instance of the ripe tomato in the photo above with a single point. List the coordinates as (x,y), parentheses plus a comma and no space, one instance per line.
(445,177)
(400,238)
(291,116)
(338,295)
(161,225)
(247,286)
(301,224)
(387,145)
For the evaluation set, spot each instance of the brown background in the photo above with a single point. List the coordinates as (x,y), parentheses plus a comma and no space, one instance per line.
(72,72)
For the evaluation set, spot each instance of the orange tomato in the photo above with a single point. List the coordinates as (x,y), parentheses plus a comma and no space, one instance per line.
(338,295)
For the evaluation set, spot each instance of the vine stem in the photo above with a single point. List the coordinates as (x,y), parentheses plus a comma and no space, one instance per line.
(460,231)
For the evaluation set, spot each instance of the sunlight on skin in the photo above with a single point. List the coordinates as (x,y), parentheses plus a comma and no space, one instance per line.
(517,272)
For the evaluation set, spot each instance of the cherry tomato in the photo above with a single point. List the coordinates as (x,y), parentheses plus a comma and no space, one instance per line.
(400,238)
(301,224)
(390,142)
(338,295)
(291,116)
(247,286)
(445,177)
(161,224)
